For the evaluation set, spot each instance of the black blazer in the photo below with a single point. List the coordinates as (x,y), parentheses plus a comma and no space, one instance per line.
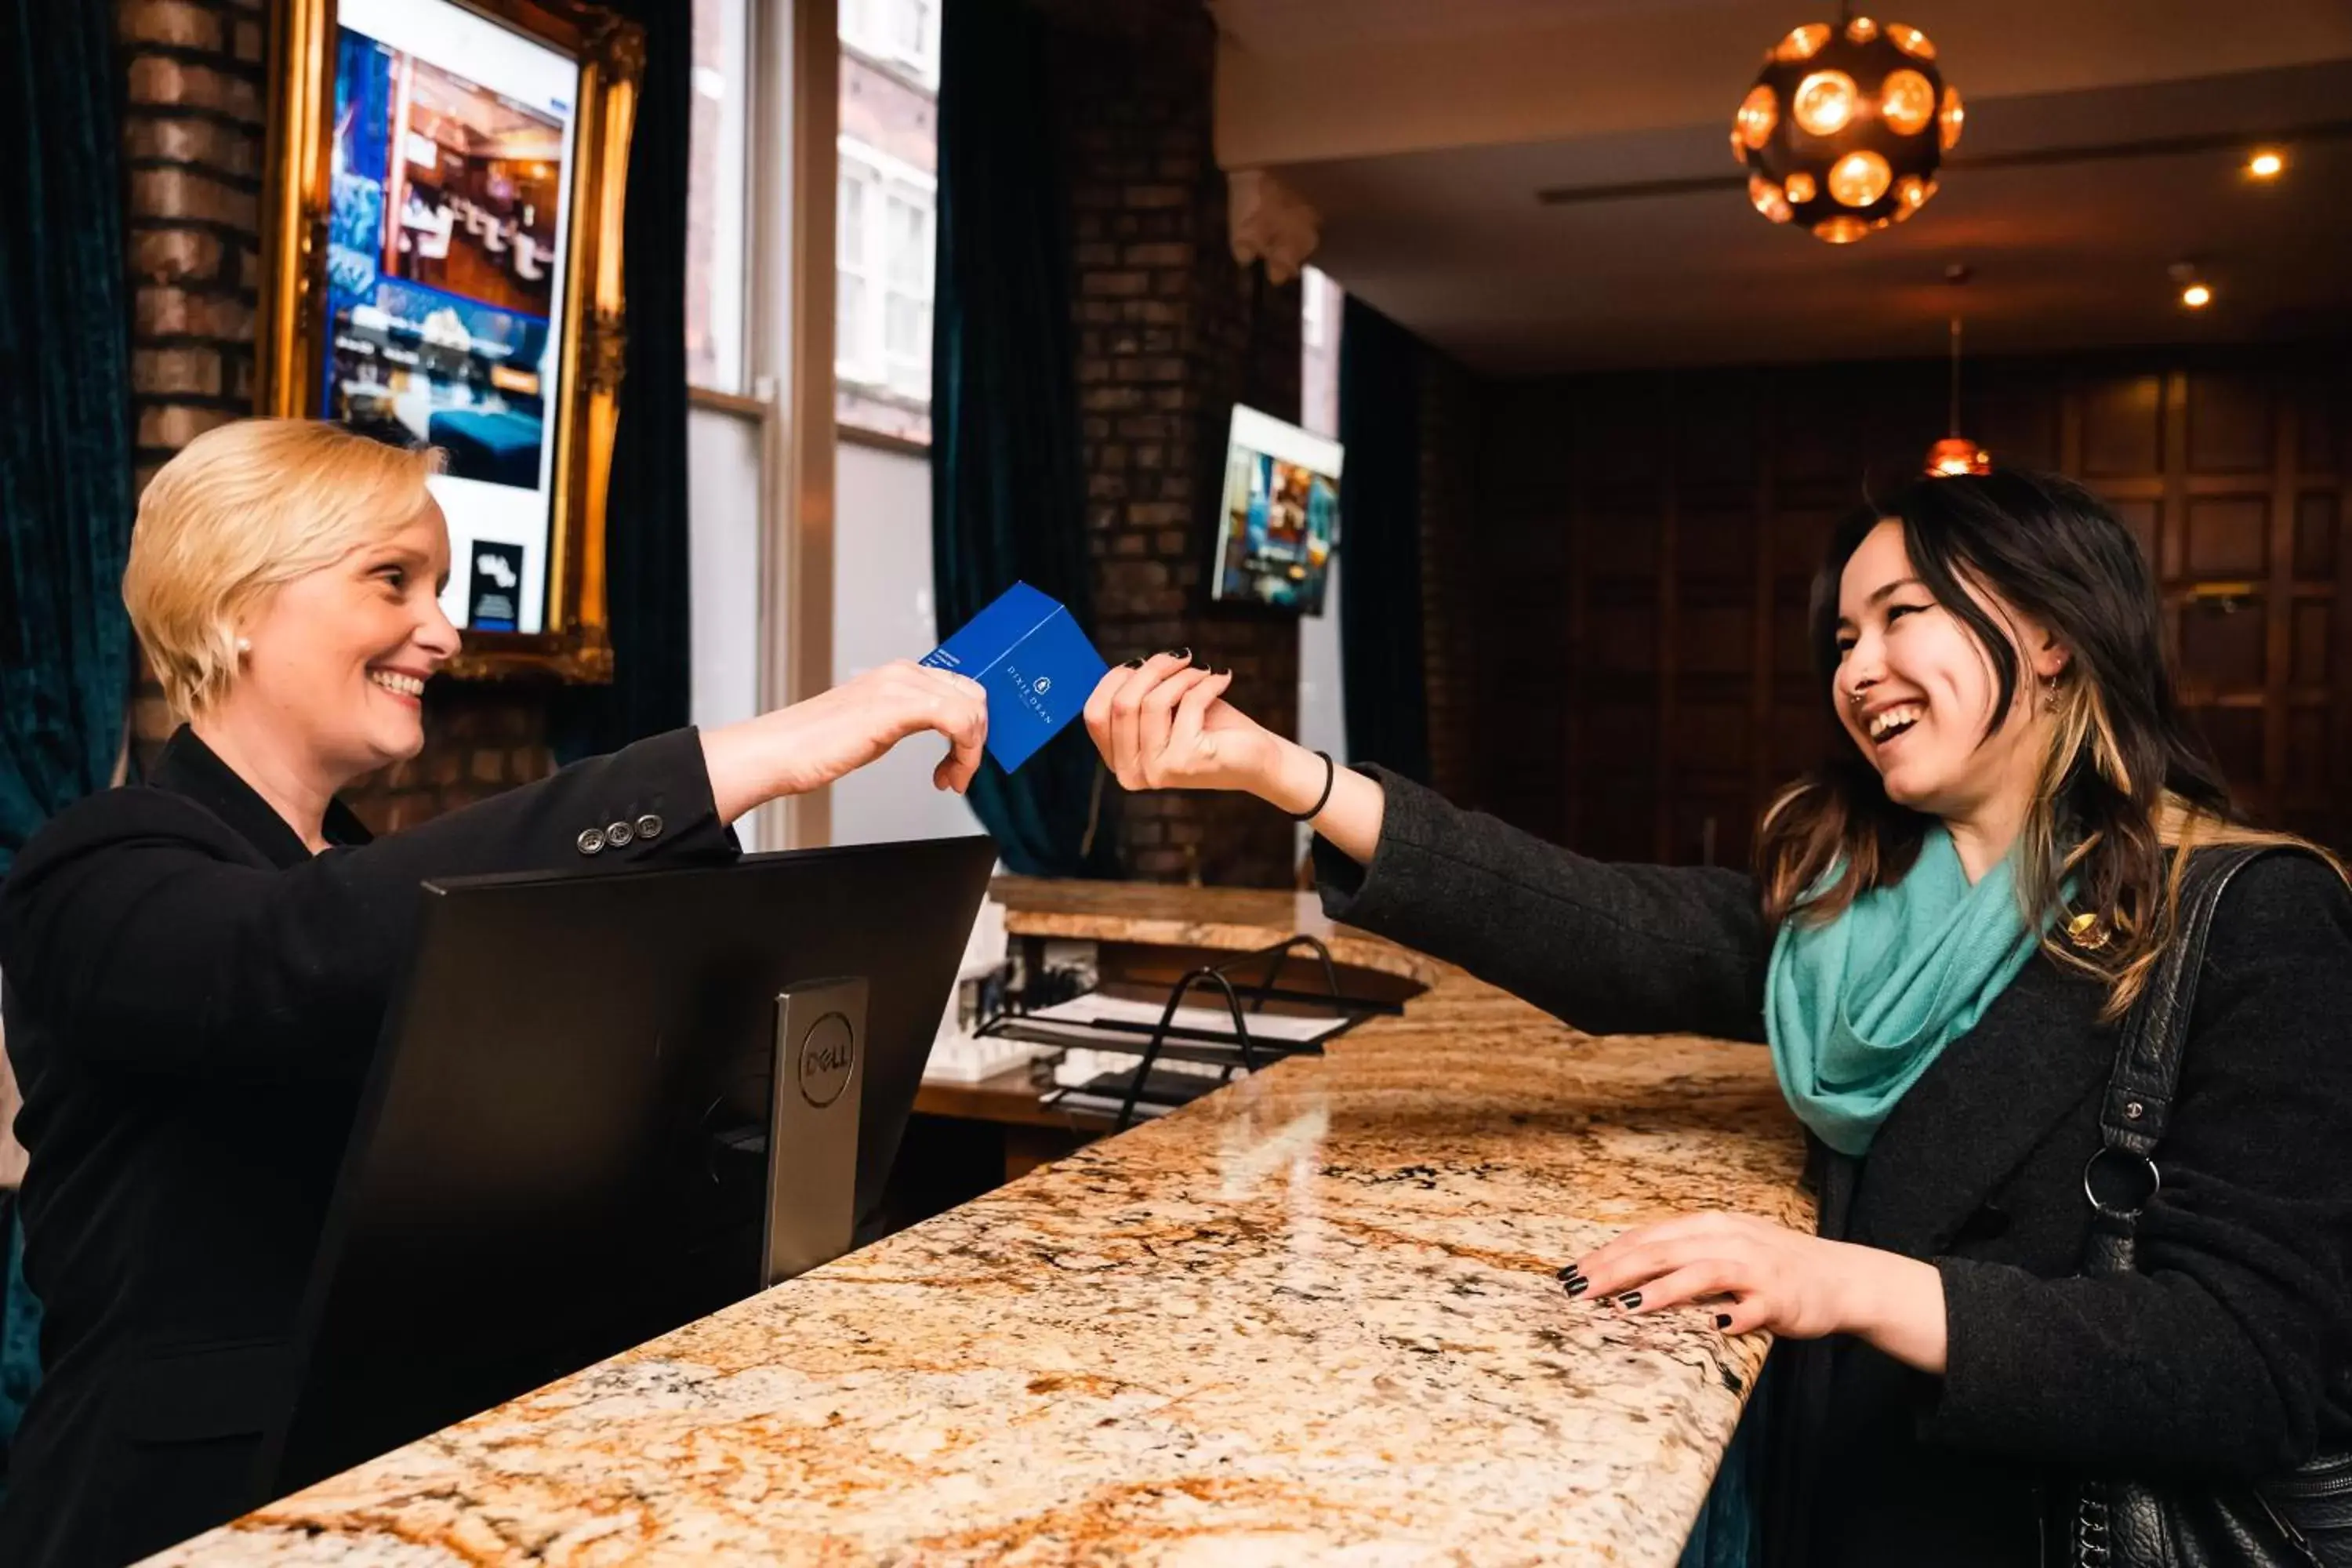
(2230,1356)
(193,1000)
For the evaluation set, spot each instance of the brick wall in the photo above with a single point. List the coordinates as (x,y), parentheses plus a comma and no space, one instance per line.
(1170,332)
(193,146)
(193,141)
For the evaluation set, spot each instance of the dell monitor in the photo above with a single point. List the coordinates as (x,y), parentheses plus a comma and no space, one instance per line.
(576,1136)
(1278,518)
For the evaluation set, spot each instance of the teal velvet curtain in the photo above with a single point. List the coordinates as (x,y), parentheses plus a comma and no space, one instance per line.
(1007,496)
(20,1333)
(1387,701)
(65,473)
(646,520)
(65,401)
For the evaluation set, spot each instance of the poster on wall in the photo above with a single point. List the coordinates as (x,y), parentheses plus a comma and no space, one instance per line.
(450,157)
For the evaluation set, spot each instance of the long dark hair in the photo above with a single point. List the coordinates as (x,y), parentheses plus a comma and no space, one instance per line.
(2124,777)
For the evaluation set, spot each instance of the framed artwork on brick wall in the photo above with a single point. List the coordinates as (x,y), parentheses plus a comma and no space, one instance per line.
(442,264)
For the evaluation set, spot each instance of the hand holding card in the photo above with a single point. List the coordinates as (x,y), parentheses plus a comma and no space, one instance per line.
(1035,665)
(824,738)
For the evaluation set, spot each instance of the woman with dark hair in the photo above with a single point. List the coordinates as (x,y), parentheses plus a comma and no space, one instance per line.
(1947,924)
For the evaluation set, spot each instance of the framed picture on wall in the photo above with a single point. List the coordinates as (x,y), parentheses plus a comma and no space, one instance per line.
(442,267)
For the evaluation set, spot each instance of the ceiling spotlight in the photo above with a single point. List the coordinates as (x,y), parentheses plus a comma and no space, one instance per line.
(2266,165)
(2196,296)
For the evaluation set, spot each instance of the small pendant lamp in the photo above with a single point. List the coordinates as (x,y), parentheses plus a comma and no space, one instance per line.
(1956,454)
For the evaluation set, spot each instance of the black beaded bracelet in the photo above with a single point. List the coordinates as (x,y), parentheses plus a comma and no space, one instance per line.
(1330,778)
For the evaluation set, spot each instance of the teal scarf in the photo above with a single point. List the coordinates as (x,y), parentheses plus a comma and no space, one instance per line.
(1857,1009)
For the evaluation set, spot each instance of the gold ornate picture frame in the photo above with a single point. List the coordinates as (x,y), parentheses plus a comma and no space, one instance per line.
(442,262)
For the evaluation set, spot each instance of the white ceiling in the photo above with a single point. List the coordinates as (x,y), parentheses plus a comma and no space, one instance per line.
(1450,238)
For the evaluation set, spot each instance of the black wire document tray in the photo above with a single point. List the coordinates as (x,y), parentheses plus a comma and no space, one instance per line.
(1230,1032)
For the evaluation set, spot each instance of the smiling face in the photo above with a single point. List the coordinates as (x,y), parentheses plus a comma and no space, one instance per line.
(340,656)
(1918,694)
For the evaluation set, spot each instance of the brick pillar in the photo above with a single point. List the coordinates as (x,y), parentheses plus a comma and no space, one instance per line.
(194,142)
(1171,332)
(193,139)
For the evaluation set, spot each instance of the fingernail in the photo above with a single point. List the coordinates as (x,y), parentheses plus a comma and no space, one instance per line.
(1570,1272)
(1578,1286)
(1723,1320)
(1132,664)
(1630,1300)
(1182,653)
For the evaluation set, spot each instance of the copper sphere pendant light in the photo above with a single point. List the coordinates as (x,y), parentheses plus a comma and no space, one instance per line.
(1845,126)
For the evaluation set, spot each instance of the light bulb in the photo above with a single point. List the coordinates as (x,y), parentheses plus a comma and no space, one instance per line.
(2196,296)
(1800,187)
(1860,30)
(1908,102)
(1911,41)
(1759,112)
(1949,121)
(1824,102)
(1768,199)
(1802,43)
(1841,229)
(1957,455)
(2266,165)
(1859,179)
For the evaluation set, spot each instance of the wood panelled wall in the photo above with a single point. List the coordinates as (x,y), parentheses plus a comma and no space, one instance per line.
(1646,543)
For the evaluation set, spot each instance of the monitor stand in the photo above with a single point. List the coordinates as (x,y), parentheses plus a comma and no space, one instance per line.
(813,1127)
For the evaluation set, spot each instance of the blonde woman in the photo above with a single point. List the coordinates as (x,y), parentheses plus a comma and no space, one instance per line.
(1948,919)
(195,967)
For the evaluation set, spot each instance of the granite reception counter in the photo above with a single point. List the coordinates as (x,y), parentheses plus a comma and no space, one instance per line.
(1310,1319)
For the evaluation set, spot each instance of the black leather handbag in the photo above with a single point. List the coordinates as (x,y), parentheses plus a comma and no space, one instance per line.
(2302,1519)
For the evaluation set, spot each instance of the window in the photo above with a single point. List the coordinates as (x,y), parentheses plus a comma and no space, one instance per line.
(715,197)
(901,34)
(907,304)
(882,322)
(885,224)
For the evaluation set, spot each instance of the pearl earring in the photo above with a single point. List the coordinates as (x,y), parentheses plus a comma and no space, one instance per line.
(243,644)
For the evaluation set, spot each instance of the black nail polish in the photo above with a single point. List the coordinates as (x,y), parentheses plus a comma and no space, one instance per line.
(1630,1300)
(1183,653)
(1578,1286)
(1570,1271)
(1723,1320)
(1132,664)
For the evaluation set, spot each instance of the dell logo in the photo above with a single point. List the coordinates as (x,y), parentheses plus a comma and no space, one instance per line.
(827,1053)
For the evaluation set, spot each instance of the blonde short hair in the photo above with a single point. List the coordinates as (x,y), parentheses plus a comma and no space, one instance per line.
(241,510)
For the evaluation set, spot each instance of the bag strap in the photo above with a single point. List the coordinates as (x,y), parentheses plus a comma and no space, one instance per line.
(2138,1106)
(2122,1177)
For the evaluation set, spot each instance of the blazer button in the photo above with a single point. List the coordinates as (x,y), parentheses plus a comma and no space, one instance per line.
(619,835)
(591,840)
(649,826)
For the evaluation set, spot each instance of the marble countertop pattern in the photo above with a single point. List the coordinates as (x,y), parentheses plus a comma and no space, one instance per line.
(1311,1319)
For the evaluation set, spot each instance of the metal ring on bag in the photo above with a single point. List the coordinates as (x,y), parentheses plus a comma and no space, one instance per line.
(2140,1185)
